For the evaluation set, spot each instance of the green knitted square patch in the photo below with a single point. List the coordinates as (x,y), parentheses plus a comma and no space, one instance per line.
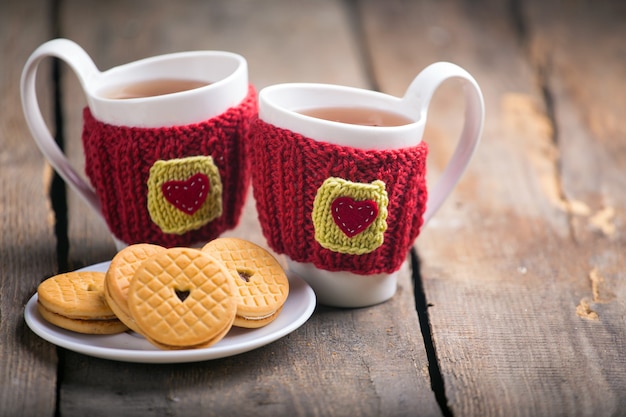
(350,217)
(184,194)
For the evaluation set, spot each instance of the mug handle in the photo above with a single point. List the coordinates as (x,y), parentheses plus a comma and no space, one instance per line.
(86,71)
(418,97)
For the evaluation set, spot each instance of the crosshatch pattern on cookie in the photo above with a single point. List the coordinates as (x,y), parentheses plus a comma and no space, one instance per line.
(184,194)
(259,278)
(350,217)
(167,319)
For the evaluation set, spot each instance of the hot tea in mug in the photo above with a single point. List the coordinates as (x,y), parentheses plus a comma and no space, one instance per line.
(152,88)
(358,116)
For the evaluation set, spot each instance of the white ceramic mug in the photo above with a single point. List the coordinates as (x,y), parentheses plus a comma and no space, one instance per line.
(125,137)
(306,168)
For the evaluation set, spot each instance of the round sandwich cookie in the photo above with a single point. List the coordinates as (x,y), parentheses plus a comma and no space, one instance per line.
(118,277)
(262,286)
(182,298)
(75,301)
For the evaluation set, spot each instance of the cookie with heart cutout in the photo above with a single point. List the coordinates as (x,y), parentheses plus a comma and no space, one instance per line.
(261,283)
(182,298)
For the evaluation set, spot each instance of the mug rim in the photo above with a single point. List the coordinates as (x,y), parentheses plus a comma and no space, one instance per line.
(96,88)
(395,102)
(174,109)
(273,110)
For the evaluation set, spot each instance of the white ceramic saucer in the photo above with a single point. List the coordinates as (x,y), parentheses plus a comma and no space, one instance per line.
(131,347)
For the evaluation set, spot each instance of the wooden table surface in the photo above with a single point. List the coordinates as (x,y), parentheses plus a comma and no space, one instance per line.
(513,302)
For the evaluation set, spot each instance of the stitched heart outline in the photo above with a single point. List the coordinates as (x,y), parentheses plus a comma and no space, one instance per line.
(352,216)
(187,195)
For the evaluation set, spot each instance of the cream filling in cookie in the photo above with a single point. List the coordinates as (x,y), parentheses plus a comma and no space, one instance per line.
(259,317)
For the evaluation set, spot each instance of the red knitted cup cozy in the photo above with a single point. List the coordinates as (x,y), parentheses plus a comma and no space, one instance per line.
(172,186)
(337,207)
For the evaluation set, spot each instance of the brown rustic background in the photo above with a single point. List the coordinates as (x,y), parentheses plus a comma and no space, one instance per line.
(519,301)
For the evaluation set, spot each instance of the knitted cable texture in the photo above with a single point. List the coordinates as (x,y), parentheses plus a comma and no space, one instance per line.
(290,171)
(118,160)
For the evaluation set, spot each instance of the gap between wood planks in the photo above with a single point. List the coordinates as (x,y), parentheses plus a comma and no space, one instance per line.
(57,192)
(543,68)
(355,18)
(421,305)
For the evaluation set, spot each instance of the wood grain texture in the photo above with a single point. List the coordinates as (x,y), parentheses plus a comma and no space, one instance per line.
(342,362)
(27,245)
(513,256)
(522,269)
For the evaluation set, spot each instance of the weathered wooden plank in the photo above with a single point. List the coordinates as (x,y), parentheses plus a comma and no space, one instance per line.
(342,362)
(580,51)
(507,261)
(27,245)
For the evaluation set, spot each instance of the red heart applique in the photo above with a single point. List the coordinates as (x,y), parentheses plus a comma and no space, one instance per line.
(353,217)
(188,195)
